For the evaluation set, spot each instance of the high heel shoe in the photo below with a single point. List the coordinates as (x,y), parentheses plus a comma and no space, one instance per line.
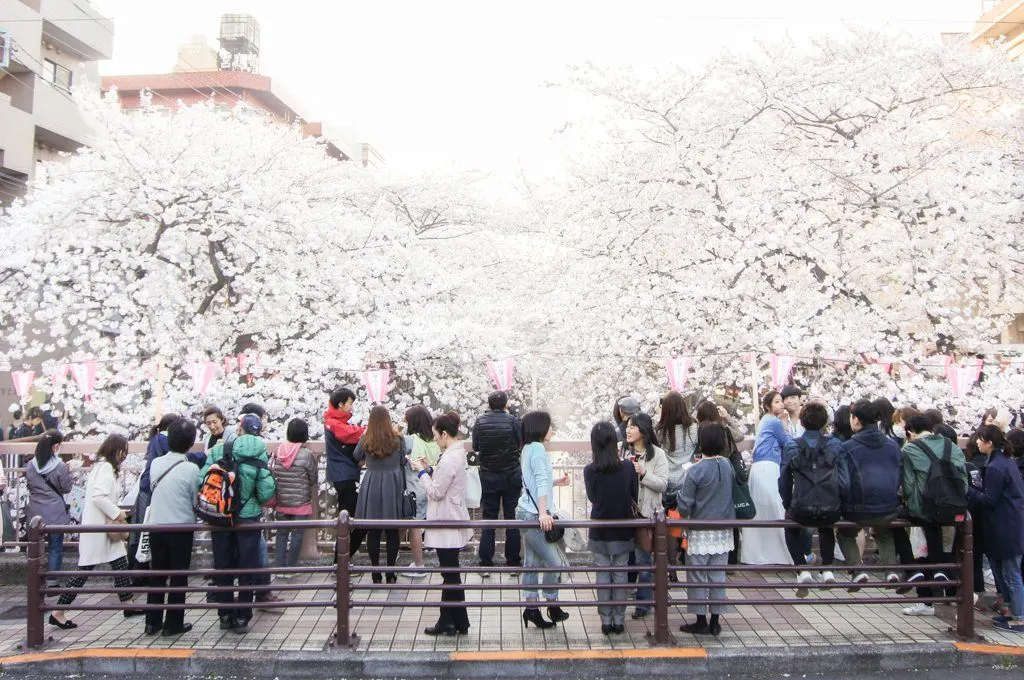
(391,578)
(377,579)
(557,614)
(533,615)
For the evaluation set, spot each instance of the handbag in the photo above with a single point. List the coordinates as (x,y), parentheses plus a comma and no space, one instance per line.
(408,500)
(555,533)
(474,490)
(120,536)
(643,538)
(741,500)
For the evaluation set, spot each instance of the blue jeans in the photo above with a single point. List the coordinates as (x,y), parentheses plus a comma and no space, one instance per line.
(54,555)
(644,579)
(538,553)
(289,541)
(1008,580)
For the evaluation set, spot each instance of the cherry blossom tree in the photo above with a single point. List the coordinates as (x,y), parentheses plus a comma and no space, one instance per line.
(187,237)
(858,196)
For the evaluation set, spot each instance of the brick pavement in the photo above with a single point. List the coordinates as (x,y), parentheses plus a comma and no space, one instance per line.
(397,630)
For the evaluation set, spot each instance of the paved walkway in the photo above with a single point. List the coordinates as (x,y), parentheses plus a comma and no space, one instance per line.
(400,629)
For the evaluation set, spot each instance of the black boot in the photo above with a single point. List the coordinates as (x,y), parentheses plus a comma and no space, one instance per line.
(533,615)
(557,614)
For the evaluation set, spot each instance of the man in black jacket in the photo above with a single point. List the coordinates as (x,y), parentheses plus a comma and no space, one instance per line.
(498,442)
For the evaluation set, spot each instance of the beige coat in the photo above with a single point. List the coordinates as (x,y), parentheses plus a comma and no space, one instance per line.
(100,508)
(654,483)
(446,499)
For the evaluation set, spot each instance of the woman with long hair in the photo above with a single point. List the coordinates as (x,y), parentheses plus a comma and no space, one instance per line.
(612,489)
(651,467)
(444,482)
(677,432)
(536,504)
(767,546)
(48,480)
(380,492)
(100,548)
(419,444)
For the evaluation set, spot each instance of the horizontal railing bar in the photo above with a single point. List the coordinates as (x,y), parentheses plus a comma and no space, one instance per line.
(146,573)
(356,524)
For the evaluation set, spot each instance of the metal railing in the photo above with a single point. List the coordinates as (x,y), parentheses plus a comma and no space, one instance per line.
(345,588)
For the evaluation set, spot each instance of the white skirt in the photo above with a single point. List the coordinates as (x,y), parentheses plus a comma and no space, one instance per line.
(765,546)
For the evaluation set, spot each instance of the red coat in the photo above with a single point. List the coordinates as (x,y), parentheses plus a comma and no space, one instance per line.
(336,421)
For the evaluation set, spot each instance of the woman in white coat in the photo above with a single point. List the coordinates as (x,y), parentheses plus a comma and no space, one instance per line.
(100,508)
(445,486)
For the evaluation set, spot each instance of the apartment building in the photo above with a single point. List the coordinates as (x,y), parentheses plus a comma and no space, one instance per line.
(49,48)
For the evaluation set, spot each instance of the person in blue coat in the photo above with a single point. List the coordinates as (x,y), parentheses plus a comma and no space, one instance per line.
(1003,497)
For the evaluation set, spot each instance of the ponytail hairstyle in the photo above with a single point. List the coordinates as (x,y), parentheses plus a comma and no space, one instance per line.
(1015,443)
(45,446)
(993,435)
(447,424)
(162,426)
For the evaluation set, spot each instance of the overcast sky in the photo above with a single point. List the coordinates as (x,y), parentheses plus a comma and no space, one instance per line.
(430,83)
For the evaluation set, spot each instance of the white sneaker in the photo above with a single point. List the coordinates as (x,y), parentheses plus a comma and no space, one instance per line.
(939,576)
(859,578)
(828,577)
(485,574)
(414,574)
(919,609)
(892,578)
(804,577)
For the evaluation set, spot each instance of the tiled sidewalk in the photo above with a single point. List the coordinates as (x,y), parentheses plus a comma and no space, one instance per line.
(400,629)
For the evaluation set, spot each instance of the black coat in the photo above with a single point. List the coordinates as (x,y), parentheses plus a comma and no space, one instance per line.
(1003,497)
(498,441)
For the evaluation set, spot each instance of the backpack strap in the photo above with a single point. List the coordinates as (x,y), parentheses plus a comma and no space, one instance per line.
(947,449)
(928,452)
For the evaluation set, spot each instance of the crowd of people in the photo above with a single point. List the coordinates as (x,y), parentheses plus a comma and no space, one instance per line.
(867,462)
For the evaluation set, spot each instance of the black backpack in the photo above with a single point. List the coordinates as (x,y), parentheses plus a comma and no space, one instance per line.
(945,492)
(816,500)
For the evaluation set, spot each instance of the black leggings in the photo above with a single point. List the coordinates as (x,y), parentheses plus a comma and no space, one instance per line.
(347,497)
(76,582)
(373,548)
(796,542)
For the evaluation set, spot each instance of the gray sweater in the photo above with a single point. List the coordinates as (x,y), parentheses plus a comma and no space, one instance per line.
(174,494)
(707,490)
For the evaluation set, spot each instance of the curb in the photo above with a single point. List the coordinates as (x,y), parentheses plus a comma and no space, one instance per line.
(673,662)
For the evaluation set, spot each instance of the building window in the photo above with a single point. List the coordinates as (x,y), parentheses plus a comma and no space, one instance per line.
(57,75)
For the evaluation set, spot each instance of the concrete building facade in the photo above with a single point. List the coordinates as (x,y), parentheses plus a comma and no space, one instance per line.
(53,47)
(1004,21)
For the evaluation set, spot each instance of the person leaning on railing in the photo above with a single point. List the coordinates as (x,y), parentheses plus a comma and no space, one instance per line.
(173,480)
(101,548)
(445,487)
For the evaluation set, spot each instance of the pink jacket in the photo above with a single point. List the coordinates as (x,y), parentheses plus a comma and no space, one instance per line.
(446,499)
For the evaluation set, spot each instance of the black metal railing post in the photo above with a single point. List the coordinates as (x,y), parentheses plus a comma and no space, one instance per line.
(35,633)
(965,607)
(662,635)
(344,638)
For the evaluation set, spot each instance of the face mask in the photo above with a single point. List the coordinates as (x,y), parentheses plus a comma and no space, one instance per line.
(900,431)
